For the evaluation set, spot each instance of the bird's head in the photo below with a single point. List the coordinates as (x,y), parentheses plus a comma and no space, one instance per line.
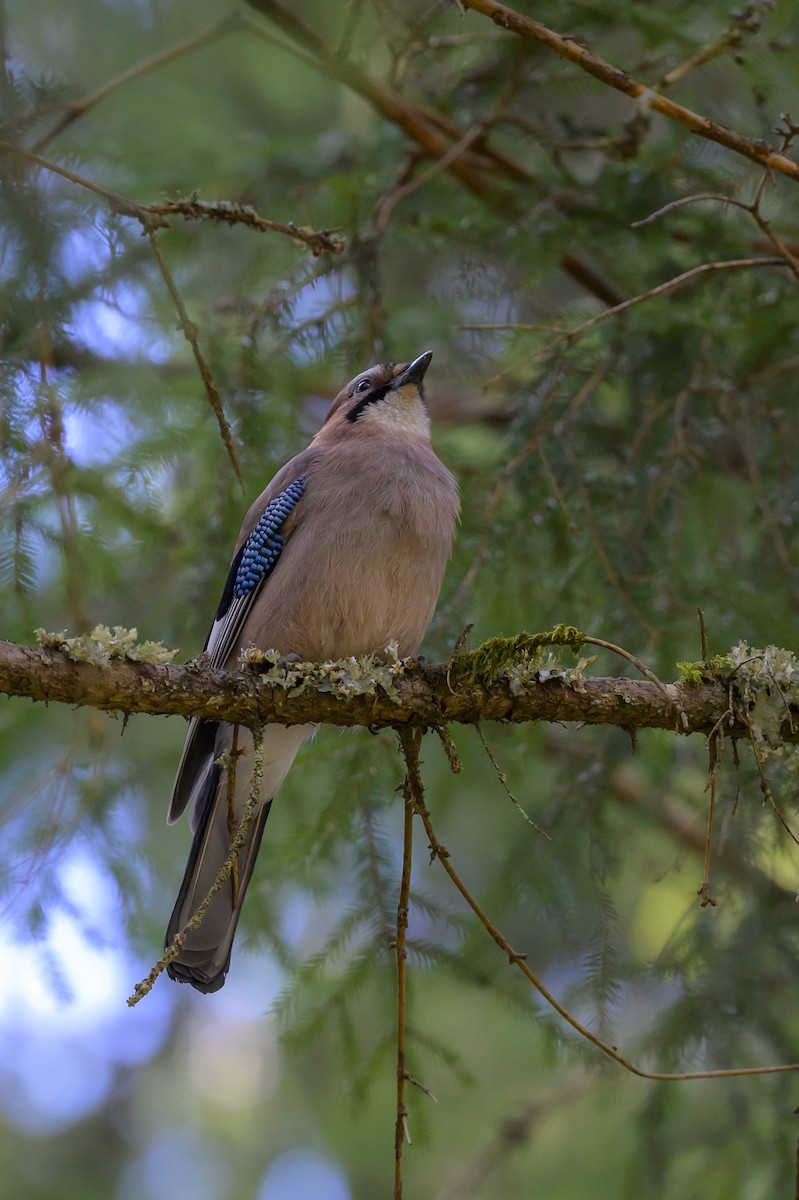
(388,397)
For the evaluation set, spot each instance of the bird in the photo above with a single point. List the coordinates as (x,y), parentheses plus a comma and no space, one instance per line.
(343,553)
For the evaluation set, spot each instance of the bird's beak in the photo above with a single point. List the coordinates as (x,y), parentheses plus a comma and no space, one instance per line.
(416,371)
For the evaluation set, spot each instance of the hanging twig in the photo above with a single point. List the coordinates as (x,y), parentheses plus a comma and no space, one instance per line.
(519,960)
(409,740)
(189,330)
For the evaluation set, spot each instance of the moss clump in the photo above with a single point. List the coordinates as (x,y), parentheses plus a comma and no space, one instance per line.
(520,657)
(694,674)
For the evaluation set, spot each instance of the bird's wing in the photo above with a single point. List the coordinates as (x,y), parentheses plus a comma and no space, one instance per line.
(268,524)
(252,565)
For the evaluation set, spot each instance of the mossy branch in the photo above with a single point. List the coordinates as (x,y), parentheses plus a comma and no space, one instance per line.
(515,679)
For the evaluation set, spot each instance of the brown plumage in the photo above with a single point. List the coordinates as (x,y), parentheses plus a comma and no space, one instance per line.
(365,550)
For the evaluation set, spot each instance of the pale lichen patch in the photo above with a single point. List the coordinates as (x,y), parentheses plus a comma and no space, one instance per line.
(346,677)
(103,645)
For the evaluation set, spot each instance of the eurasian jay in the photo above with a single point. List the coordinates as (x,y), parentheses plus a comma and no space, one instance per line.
(342,553)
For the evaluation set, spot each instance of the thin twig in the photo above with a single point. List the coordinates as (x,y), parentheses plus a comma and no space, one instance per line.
(154,216)
(569,336)
(503,779)
(119,203)
(713,752)
(76,108)
(439,852)
(460,642)
(390,201)
(765,786)
(189,330)
(682,201)
(453,758)
(705,54)
(631,658)
(410,740)
(702,635)
(787,255)
(232,213)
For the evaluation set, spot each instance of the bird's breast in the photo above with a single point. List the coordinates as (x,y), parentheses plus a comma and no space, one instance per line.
(365,563)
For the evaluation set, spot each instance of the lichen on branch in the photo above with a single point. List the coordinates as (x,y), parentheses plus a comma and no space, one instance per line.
(514,679)
(102,646)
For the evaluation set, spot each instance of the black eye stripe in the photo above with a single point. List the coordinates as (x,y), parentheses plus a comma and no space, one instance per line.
(369,398)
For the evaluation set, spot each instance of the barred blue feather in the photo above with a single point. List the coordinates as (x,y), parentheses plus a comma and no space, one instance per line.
(264,545)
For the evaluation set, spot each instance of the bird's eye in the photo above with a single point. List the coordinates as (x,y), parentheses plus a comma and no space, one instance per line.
(364,385)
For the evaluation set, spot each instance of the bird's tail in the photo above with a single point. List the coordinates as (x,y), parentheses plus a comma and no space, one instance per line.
(217,807)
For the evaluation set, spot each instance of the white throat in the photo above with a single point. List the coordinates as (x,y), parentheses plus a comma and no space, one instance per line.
(401,411)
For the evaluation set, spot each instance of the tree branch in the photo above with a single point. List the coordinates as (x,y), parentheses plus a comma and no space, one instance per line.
(569,47)
(430,129)
(326,693)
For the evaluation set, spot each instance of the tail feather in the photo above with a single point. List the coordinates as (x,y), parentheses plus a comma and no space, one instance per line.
(204,958)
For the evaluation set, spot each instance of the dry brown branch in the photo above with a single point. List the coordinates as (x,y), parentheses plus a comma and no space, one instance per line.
(424,696)
(431,130)
(575,51)
(520,960)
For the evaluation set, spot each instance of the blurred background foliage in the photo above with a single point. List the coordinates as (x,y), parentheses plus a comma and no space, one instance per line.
(614,480)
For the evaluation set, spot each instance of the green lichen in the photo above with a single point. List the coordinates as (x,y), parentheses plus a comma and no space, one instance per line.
(521,659)
(102,646)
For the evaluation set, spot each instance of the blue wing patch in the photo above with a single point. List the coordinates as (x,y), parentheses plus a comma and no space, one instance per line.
(264,545)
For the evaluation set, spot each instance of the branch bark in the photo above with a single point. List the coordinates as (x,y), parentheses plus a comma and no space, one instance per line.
(428,696)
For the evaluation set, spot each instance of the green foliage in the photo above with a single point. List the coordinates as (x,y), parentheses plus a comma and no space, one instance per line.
(617,472)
